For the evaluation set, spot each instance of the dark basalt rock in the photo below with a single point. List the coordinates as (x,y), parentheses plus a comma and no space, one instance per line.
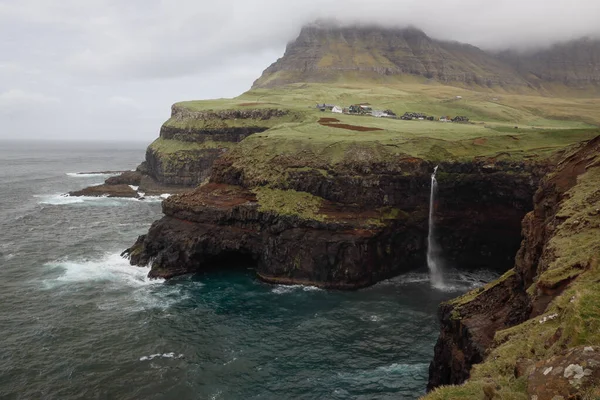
(467,332)
(119,190)
(126,178)
(346,249)
(468,327)
(216,221)
(228,134)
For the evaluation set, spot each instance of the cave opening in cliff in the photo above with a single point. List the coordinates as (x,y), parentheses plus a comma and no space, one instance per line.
(230,260)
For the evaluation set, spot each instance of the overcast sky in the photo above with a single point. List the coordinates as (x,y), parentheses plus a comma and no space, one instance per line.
(110,69)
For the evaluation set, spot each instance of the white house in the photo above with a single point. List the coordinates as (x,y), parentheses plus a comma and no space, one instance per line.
(337,110)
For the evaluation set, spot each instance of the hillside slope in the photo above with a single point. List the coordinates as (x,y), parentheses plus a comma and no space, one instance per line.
(324,53)
(575,63)
(328,53)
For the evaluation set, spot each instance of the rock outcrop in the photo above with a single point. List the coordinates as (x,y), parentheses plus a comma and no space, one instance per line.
(341,229)
(530,323)
(189,144)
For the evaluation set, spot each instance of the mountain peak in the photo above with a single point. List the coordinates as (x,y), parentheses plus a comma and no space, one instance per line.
(329,51)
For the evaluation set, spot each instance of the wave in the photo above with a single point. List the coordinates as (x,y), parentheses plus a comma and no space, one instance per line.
(161,355)
(109,268)
(283,289)
(124,287)
(396,369)
(90,175)
(62,199)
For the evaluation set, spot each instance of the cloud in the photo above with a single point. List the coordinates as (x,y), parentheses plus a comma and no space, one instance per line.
(16,98)
(100,56)
(158,39)
(124,102)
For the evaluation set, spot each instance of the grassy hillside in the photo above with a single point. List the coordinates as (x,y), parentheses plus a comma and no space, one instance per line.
(506,126)
(492,107)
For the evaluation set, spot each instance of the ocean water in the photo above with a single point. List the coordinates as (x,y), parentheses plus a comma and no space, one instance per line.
(78,322)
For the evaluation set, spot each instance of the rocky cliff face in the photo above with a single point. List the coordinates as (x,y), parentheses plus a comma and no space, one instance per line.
(329,53)
(575,63)
(189,144)
(341,229)
(322,53)
(533,318)
(190,141)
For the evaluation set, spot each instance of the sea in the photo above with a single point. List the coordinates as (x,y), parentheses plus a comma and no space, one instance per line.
(78,322)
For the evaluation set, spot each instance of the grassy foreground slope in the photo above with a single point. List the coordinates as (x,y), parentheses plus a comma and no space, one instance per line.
(527,360)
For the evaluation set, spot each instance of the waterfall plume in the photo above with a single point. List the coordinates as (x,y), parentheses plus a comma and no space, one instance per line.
(433,250)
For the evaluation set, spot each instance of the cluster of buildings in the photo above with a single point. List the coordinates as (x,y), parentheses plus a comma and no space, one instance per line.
(357,109)
(366,109)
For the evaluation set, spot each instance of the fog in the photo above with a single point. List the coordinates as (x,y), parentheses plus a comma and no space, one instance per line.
(109,70)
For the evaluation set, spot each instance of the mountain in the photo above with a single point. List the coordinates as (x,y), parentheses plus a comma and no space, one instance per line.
(325,52)
(575,63)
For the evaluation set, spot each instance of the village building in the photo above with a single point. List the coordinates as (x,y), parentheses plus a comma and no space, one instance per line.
(337,110)
(324,106)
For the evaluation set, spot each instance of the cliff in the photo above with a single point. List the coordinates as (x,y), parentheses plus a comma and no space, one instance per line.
(327,52)
(337,228)
(575,63)
(188,145)
(339,202)
(525,334)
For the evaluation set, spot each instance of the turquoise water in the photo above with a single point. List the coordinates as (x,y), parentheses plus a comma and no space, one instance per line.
(80,322)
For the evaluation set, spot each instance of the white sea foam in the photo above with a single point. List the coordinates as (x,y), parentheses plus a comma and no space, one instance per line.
(62,199)
(459,281)
(165,195)
(161,355)
(383,371)
(283,289)
(109,268)
(88,175)
(151,199)
(402,368)
(59,199)
(135,188)
(454,280)
(128,287)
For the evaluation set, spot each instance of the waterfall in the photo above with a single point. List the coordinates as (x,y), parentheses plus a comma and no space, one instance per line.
(433,250)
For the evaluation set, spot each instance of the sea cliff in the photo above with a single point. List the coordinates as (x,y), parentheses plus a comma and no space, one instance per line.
(524,334)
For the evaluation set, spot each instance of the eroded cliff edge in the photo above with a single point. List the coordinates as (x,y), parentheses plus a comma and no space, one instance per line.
(344,224)
(534,332)
(189,143)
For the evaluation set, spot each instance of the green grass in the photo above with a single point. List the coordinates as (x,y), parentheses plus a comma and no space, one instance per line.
(492,133)
(215,124)
(412,94)
(289,202)
(577,245)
